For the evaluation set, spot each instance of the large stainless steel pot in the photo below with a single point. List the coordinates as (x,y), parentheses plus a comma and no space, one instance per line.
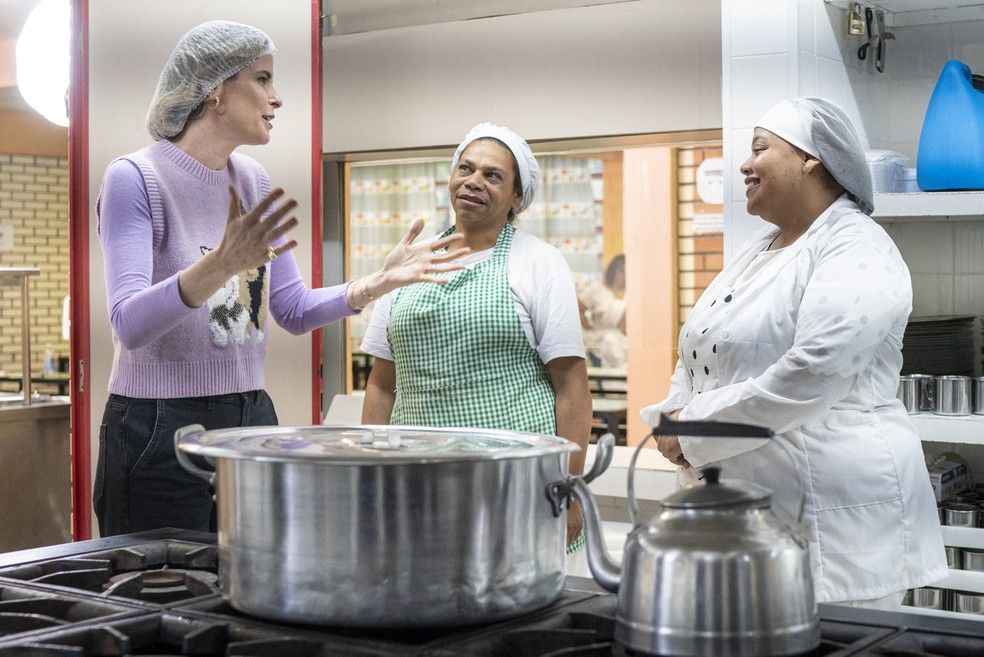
(713,574)
(384,526)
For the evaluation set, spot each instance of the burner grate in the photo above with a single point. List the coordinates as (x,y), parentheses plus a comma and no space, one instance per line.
(161,572)
(28,610)
(167,634)
(583,635)
(163,586)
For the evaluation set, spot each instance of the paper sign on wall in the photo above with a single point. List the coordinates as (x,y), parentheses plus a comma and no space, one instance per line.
(710,181)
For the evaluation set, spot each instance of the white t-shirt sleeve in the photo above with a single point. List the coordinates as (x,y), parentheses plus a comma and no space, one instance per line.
(374,342)
(543,285)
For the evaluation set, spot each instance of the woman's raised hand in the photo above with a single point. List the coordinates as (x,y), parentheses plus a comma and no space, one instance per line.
(246,244)
(421,263)
(249,238)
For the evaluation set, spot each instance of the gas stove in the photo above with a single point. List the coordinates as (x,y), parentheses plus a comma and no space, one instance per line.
(156,593)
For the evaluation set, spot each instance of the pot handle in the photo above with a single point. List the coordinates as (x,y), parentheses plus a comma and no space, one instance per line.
(604,450)
(183,459)
(559,492)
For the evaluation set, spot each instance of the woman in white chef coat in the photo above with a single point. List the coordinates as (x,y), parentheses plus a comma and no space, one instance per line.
(802,333)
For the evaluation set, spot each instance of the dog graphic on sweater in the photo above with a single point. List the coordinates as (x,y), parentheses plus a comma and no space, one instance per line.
(236,307)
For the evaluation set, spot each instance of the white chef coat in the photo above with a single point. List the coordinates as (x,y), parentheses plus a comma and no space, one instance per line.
(807,341)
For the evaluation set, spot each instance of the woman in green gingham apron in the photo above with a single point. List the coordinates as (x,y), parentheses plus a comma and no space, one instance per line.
(499,346)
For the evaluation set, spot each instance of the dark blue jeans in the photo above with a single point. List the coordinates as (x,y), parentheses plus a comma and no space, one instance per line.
(139,483)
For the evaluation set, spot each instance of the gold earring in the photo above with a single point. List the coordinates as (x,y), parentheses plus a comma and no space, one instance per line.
(217,101)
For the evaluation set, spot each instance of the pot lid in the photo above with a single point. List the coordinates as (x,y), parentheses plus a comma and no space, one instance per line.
(715,493)
(370,444)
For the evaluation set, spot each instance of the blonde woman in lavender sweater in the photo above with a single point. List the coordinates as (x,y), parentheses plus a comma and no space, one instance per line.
(197,263)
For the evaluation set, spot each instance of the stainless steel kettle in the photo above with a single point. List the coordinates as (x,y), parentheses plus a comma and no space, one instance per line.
(713,574)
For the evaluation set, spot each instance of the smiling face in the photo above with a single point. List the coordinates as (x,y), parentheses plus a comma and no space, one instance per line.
(483,184)
(773,174)
(248,103)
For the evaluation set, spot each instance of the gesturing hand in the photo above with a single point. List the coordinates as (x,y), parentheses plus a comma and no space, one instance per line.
(249,238)
(422,263)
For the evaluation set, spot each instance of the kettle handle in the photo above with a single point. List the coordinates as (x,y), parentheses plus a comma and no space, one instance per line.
(630,480)
(669,427)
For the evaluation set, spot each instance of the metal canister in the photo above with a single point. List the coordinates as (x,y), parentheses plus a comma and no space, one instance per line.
(977,403)
(926,391)
(953,395)
(958,514)
(929,597)
(968,602)
(909,394)
(954,557)
(973,559)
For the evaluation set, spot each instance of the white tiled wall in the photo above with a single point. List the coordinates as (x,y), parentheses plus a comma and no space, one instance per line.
(947,268)
(34,208)
(758,68)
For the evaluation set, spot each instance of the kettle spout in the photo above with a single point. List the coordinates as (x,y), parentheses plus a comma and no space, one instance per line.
(606,571)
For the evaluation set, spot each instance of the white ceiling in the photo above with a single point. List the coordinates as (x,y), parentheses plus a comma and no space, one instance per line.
(349,16)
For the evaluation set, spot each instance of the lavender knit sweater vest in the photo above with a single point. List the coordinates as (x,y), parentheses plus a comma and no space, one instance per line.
(220,347)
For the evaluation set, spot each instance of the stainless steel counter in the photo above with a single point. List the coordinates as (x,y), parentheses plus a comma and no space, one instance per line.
(35,474)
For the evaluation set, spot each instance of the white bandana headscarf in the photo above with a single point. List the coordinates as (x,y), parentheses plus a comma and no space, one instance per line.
(529,170)
(821,128)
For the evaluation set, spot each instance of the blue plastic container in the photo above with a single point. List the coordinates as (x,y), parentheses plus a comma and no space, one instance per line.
(951,146)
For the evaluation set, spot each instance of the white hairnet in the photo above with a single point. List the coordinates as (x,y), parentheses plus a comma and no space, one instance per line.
(822,129)
(529,170)
(204,57)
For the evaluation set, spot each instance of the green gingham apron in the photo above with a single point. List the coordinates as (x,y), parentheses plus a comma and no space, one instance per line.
(462,358)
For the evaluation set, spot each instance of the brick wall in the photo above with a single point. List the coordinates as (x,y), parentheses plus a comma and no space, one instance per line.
(700,256)
(34,205)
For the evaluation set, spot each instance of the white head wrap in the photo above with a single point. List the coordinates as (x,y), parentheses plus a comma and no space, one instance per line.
(824,130)
(529,170)
(203,58)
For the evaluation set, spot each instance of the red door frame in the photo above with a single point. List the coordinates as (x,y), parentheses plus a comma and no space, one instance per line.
(317,248)
(78,249)
(78,222)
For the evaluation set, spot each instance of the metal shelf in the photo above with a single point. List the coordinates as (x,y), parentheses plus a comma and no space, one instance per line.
(904,13)
(920,205)
(942,613)
(963,429)
(964,537)
(963,580)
